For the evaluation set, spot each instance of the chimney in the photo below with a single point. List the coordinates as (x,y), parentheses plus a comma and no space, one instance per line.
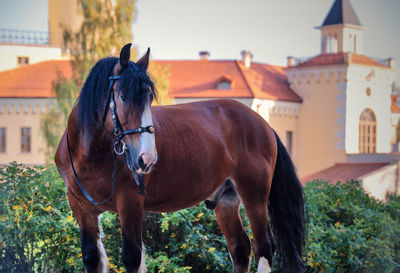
(246,58)
(392,63)
(347,58)
(204,55)
(291,61)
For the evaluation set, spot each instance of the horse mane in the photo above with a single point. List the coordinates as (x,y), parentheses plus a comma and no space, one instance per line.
(92,101)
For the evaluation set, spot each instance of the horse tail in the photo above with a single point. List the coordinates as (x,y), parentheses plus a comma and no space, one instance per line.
(286,211)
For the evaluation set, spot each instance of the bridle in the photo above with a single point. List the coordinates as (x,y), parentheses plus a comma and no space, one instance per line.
(119,133)
(119,146)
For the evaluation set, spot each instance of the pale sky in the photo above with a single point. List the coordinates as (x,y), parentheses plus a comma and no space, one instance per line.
(270,29)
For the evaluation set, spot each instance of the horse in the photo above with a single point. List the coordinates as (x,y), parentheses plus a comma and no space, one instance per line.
(120,154)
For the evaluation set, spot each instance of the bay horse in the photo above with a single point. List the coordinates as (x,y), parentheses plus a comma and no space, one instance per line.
(120,154)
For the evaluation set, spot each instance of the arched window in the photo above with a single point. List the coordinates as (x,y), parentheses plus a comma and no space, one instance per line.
(367,132)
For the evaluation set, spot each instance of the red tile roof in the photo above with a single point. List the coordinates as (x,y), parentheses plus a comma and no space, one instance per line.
(189,79)
(199,79)
(339,58)
(344,171)
(33,81)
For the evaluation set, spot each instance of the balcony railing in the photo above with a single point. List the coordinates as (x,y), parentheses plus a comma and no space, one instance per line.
(16,36)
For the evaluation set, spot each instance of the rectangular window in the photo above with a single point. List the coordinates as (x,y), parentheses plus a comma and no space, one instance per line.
(3,142)
(289,142)
(25,140)
(22,60)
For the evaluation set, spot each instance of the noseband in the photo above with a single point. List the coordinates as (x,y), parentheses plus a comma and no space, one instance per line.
(119,146)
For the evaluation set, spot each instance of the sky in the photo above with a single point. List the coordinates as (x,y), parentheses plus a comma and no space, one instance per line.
(270,29)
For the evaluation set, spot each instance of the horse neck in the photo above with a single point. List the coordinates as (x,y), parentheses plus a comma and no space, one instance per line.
(93,149)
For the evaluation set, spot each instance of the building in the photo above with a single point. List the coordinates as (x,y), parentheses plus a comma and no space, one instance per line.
(336,112)
(23,47)
(25,94)
(31,62)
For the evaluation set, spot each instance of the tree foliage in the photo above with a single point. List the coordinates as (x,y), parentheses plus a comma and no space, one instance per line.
(54,120)
(106,26)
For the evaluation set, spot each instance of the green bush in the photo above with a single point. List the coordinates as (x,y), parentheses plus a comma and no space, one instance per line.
(38,230)
(348,231)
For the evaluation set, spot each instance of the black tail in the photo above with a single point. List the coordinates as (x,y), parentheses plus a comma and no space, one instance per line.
(286,211)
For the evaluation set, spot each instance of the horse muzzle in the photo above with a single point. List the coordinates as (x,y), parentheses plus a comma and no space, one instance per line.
(142,164)
(146,163)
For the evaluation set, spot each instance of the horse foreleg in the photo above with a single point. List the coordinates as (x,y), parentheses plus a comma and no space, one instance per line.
(131,216)
(228,217)
(93,253)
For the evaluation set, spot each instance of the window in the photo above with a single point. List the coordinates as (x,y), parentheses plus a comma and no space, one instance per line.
(25,140)
(3,143)
(289,142)
(23,60)
(367,132)
(224,85)
(368,91)
(332,43)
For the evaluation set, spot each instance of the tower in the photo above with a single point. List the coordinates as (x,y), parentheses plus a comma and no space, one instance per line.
(346,95)
(341,30)
(62,14)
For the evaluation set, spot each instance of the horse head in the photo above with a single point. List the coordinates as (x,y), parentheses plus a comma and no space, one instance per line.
(131,94)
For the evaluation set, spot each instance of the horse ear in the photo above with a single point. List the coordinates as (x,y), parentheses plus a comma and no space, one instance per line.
(125,55)
(144,61)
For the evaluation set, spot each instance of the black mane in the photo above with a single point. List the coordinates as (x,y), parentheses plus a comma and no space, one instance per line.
(92,100)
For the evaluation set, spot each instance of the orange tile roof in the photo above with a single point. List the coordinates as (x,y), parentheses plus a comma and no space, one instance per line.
(189,79)
(344,171)
(33,81)
(199,79)
(339,58)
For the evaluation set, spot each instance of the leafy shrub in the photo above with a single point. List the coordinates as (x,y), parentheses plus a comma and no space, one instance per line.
(38,231)
(349,231)
(190,237)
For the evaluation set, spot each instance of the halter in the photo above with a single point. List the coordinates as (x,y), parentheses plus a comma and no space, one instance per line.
(119,147)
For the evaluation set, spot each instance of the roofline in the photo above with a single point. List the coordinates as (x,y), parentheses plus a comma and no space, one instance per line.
(345,25)
(30,45)
(236,98)
(244,78)
(4,97)
(331,65)
(387,166)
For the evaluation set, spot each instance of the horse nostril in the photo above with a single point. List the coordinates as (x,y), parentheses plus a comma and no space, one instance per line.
(141,163)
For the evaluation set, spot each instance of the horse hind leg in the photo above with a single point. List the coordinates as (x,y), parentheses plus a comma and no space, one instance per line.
(254,195)
(228,217)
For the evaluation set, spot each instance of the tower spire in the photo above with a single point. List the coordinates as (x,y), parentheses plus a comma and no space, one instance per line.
(341,30)
(341,12)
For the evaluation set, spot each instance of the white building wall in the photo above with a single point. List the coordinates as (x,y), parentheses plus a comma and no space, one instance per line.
(359,78)
(36,53)
(381,182)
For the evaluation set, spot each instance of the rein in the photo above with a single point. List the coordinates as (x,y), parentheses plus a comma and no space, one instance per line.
(119,148)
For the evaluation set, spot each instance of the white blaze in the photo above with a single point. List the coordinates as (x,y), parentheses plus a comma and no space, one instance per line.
(147,140)
(263,266)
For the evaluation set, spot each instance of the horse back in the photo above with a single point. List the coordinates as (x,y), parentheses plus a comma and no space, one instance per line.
(200,145)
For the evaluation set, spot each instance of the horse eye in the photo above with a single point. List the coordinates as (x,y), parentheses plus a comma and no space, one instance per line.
(123,98)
